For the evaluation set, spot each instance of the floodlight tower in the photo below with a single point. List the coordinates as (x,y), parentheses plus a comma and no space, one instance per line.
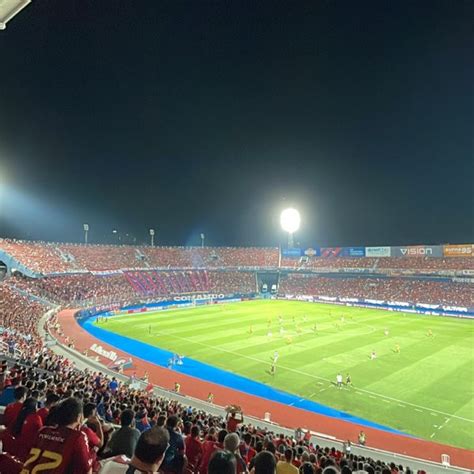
(86,232)
(10,8)
(290,221)
(152,237)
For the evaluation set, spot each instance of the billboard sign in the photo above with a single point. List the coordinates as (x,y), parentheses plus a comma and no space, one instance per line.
(354,252)
(417,251)
(331,251)
(377,251)
(463,250)
(291,253)
(313,252)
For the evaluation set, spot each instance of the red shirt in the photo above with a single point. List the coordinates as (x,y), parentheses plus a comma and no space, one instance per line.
(232,424)
(208,447)
(11,413)
(32,424)
(59,450)
(43,413)
(193,449)
(94,442)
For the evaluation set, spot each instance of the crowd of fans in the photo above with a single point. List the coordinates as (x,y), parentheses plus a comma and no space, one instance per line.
(50,258)
(385,289)
(415,264)
(19,316)
(133,286)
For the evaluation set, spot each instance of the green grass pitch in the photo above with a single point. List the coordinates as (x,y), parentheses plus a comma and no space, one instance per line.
(426,390)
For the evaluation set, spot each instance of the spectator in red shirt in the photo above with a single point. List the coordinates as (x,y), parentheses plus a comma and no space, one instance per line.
(52,399)
(63,447)
(92,428)
(209,447)
(233,422)
(246,450)
(193,447)
(13,409)
(26,427)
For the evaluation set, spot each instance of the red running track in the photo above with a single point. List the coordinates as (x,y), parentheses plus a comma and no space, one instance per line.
(282,414)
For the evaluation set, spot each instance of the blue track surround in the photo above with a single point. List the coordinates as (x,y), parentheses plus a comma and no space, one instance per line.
(218,376)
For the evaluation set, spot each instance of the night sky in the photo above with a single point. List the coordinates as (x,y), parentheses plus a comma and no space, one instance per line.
(211,116)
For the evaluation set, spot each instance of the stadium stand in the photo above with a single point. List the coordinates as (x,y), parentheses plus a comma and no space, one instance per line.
(130,286)
(386,289)
(131,274)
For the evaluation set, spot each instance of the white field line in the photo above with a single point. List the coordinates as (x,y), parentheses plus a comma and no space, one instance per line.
(439,427)
(300,372)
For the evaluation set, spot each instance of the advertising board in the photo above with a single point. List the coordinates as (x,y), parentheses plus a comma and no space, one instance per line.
(313,252)
(291,253)
(331,251)
(462,250)
(417,251)
(353,252)
(377,251)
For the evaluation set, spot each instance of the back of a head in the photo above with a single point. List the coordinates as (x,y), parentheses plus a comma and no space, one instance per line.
(172,422)
(126,417)
(20,392)
(288,455)
(89,409)
(222,462)
(331,470)
(52,398)
(307,468)
(221,436)
(68,411)
(231,442)
(265,463)
(151,445)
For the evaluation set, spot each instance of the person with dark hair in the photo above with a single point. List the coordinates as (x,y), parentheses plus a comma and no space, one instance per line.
(222,462)
(193,447)
(125,439)
(264,463)
(63,448)
(175,458)
(208,449)
(307,468)
(52,399)
(26,427)
(13,409)
(148,456)
(92,428)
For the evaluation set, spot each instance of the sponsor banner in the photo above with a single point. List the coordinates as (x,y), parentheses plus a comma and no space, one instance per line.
(464,250)
(353,252)
(463,280)
(111,355)
(331,251)
(313,252)
(291,253)
(377,251)
(417,251)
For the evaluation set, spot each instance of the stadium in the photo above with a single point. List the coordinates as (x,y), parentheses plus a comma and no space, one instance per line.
(234,237)
(336,342)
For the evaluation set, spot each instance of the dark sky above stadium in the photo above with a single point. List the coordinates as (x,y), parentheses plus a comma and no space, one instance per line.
(197,116)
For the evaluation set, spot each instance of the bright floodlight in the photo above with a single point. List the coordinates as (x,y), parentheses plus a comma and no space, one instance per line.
(290,220)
